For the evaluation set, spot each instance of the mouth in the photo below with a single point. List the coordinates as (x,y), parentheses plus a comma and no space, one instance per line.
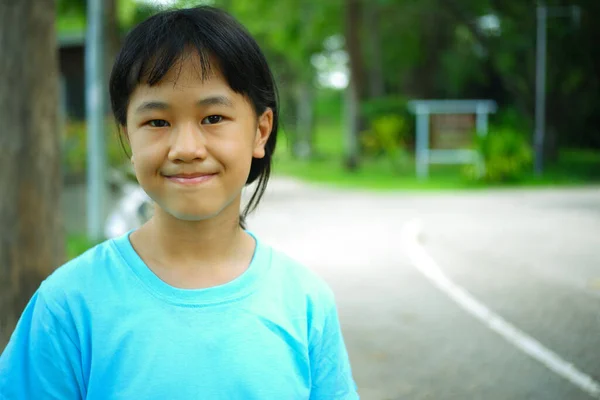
(191,179)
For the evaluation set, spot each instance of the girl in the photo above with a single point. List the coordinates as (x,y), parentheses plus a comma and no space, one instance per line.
(190,305)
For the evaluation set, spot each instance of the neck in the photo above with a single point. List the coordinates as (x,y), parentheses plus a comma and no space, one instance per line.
(205,244)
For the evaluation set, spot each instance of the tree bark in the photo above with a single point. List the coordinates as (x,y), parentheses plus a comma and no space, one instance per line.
(31,235)
(354,95)
(375,71)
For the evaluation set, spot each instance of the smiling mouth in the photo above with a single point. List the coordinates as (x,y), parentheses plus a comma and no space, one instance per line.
(190,179)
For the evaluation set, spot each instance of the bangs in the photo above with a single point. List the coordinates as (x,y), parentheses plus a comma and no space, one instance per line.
(162,42)
(168,52)
(171,56)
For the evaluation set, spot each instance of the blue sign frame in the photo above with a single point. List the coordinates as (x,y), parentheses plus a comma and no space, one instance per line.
(423,109)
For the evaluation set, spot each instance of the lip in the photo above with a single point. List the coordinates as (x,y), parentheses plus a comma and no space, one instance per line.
(193,179)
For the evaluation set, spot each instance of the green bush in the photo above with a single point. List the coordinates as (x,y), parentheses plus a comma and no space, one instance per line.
(506,155)
(389,127)
(386,136)
(377,107)
(75,148)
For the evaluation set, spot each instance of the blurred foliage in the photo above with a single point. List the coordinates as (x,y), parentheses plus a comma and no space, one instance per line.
(374,108)
(78,244)
(500,64)
(385,106)
(290,33)
(506,154)
(390,128)
(442,49)
(387,136)
(75,148)
(71,14)
(510,117)
(575,167)
(423,49)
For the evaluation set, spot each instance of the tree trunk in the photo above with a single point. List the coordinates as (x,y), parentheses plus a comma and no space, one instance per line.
(303,143)
(375,71)
(353,46)
(551,146)
(31,235)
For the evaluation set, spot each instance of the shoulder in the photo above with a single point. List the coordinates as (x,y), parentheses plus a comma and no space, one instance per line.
(59,307)
(300,289)
(80,277)
(301,276)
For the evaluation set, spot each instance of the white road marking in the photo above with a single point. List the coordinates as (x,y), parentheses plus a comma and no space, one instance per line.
(527,344)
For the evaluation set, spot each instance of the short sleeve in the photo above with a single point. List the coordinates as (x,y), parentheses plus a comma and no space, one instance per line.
(330,365)
(41,361)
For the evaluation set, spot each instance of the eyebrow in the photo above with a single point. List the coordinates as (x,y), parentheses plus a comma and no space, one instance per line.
(215,101)
(151,105)
(208,101)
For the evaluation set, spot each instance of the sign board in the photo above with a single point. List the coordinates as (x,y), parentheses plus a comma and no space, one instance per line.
(452,131)
(446,129)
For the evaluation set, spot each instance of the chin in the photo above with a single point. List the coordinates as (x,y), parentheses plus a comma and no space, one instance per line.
(193,213)
(197,210)
(192,216)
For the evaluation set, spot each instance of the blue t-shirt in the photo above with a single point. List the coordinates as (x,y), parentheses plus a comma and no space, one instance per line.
(103,326)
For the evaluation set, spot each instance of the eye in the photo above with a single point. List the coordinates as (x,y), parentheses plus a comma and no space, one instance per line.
(212,119)
(158,123)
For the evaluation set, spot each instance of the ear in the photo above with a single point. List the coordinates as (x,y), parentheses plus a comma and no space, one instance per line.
(263,131)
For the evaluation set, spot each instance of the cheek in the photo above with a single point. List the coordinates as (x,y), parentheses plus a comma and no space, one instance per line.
(237,152)
(147,155)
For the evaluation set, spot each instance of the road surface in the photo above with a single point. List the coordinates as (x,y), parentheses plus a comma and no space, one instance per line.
(531,257)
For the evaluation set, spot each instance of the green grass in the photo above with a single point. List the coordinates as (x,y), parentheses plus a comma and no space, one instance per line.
(375,174)
(327,167)
(78,244)
(574,167)
(578,166)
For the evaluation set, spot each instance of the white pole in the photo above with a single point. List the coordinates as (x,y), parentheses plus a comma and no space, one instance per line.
(94,96)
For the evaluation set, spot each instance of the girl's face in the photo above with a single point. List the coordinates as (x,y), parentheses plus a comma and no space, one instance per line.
(193,141)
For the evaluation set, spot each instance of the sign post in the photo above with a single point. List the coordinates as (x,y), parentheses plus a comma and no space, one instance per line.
(444,131)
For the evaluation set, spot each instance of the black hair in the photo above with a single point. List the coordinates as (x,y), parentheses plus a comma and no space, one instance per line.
(156,45)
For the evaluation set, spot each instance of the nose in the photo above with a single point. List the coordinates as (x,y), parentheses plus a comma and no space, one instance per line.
(188,144)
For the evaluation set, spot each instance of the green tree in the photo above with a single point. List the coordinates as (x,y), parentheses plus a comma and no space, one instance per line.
(441,49)
(507,59)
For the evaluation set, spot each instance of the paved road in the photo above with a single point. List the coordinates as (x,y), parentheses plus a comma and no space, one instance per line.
(533,257)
